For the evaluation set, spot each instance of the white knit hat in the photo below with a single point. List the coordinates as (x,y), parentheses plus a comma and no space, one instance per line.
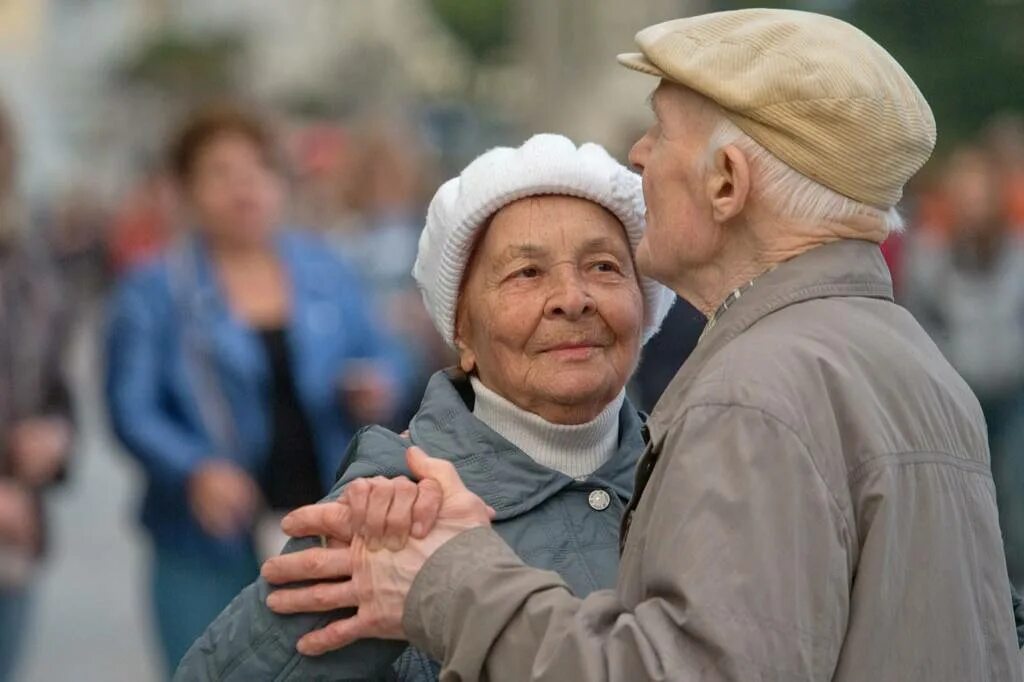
(545,164)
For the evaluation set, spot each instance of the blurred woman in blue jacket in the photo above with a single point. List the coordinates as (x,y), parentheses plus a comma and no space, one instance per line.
(238,366)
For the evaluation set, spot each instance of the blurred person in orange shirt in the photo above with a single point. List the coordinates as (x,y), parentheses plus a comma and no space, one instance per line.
(144,224)
(35,406)
(1004,138)
(965,285)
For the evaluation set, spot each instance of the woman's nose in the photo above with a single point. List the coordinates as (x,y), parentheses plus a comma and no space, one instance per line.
(570,298)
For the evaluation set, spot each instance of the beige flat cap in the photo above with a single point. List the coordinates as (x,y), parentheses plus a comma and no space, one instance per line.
(815,91)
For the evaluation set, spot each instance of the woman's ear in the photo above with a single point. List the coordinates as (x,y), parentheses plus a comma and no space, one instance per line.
(467,358)
(728,183)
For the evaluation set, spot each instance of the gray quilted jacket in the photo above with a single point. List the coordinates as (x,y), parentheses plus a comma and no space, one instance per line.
(552,521)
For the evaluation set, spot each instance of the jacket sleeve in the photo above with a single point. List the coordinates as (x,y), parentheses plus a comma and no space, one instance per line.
(133,356)
(250,643)
(735,569)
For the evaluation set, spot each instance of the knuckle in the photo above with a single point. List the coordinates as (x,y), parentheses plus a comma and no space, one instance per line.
(313,562)
(321,595)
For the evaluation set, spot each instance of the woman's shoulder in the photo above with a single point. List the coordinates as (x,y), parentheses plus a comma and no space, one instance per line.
(316,259)
(374,451)
(147,283)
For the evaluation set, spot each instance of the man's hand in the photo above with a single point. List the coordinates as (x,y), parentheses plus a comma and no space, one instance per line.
(39,448)
(368,392)
(19,525)
(223,498)
(389,510)
(381,578)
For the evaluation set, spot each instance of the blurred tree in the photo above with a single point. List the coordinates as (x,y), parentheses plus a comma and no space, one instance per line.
(483,26)
(966,56)
(184,65)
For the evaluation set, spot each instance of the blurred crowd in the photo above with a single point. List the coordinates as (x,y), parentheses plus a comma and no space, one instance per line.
(258,309)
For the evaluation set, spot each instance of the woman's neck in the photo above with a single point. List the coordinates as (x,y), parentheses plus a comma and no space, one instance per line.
(576,450)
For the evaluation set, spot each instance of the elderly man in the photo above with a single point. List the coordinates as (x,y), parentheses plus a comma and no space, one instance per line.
(815,501)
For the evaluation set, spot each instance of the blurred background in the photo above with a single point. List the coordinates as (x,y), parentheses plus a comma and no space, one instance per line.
(363,108)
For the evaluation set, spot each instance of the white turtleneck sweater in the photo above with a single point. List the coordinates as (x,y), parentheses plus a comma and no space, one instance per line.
(576,450)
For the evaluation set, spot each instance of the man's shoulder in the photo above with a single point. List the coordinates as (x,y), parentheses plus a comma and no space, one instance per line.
(800,359)
(818,342)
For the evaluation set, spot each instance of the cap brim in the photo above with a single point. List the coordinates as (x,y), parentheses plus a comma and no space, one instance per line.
(638,62)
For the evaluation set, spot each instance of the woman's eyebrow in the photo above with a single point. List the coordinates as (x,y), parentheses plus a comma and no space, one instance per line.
(525,250)
(601,244)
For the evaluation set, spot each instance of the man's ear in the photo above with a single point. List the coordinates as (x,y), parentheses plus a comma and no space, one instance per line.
(728,183)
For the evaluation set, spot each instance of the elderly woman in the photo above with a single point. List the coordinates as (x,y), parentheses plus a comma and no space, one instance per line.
(239,366)
(526,266)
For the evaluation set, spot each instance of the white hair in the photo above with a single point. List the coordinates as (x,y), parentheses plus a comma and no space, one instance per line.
(789,193)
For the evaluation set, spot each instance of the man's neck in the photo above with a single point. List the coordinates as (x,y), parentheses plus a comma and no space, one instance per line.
(706,291)
(706,287)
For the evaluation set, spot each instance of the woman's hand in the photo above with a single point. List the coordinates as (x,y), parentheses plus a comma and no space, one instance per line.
(223,498)
(368,392)
(371,513)
(19,524)
(39,448)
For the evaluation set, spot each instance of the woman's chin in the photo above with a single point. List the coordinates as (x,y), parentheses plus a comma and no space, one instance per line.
(573,385)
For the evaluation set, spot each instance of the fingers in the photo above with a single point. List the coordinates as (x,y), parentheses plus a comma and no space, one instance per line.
(400,516)
(426,508)
(357,495)
(316,598)
(381,495)
(442,471)
(217,520)
(334,636)
(332,519)
(311,564)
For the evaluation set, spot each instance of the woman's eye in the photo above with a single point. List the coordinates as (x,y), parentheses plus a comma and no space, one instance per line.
(528,273)
(606,266)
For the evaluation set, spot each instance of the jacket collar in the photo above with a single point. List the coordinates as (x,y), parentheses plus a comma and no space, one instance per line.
(504,476)
(846,268)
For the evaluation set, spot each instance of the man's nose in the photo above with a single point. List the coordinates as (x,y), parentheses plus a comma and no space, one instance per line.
(638,153)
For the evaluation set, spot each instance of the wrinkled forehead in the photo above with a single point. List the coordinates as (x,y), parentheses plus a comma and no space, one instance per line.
(549,224)
(678,104)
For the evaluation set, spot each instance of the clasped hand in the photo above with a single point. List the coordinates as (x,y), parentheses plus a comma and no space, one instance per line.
(375,539)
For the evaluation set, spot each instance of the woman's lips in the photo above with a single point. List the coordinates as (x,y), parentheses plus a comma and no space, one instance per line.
(574,351)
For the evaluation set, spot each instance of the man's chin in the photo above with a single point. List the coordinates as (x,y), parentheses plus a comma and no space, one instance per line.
(643,261)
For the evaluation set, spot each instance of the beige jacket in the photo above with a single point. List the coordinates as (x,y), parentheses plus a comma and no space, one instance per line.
(815,504)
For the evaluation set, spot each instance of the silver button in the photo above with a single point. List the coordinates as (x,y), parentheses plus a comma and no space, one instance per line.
(599,500)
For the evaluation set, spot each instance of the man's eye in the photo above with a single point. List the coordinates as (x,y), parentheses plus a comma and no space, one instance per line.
(606,266)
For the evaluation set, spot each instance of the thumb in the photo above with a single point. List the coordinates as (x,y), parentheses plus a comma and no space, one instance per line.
(441,470)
